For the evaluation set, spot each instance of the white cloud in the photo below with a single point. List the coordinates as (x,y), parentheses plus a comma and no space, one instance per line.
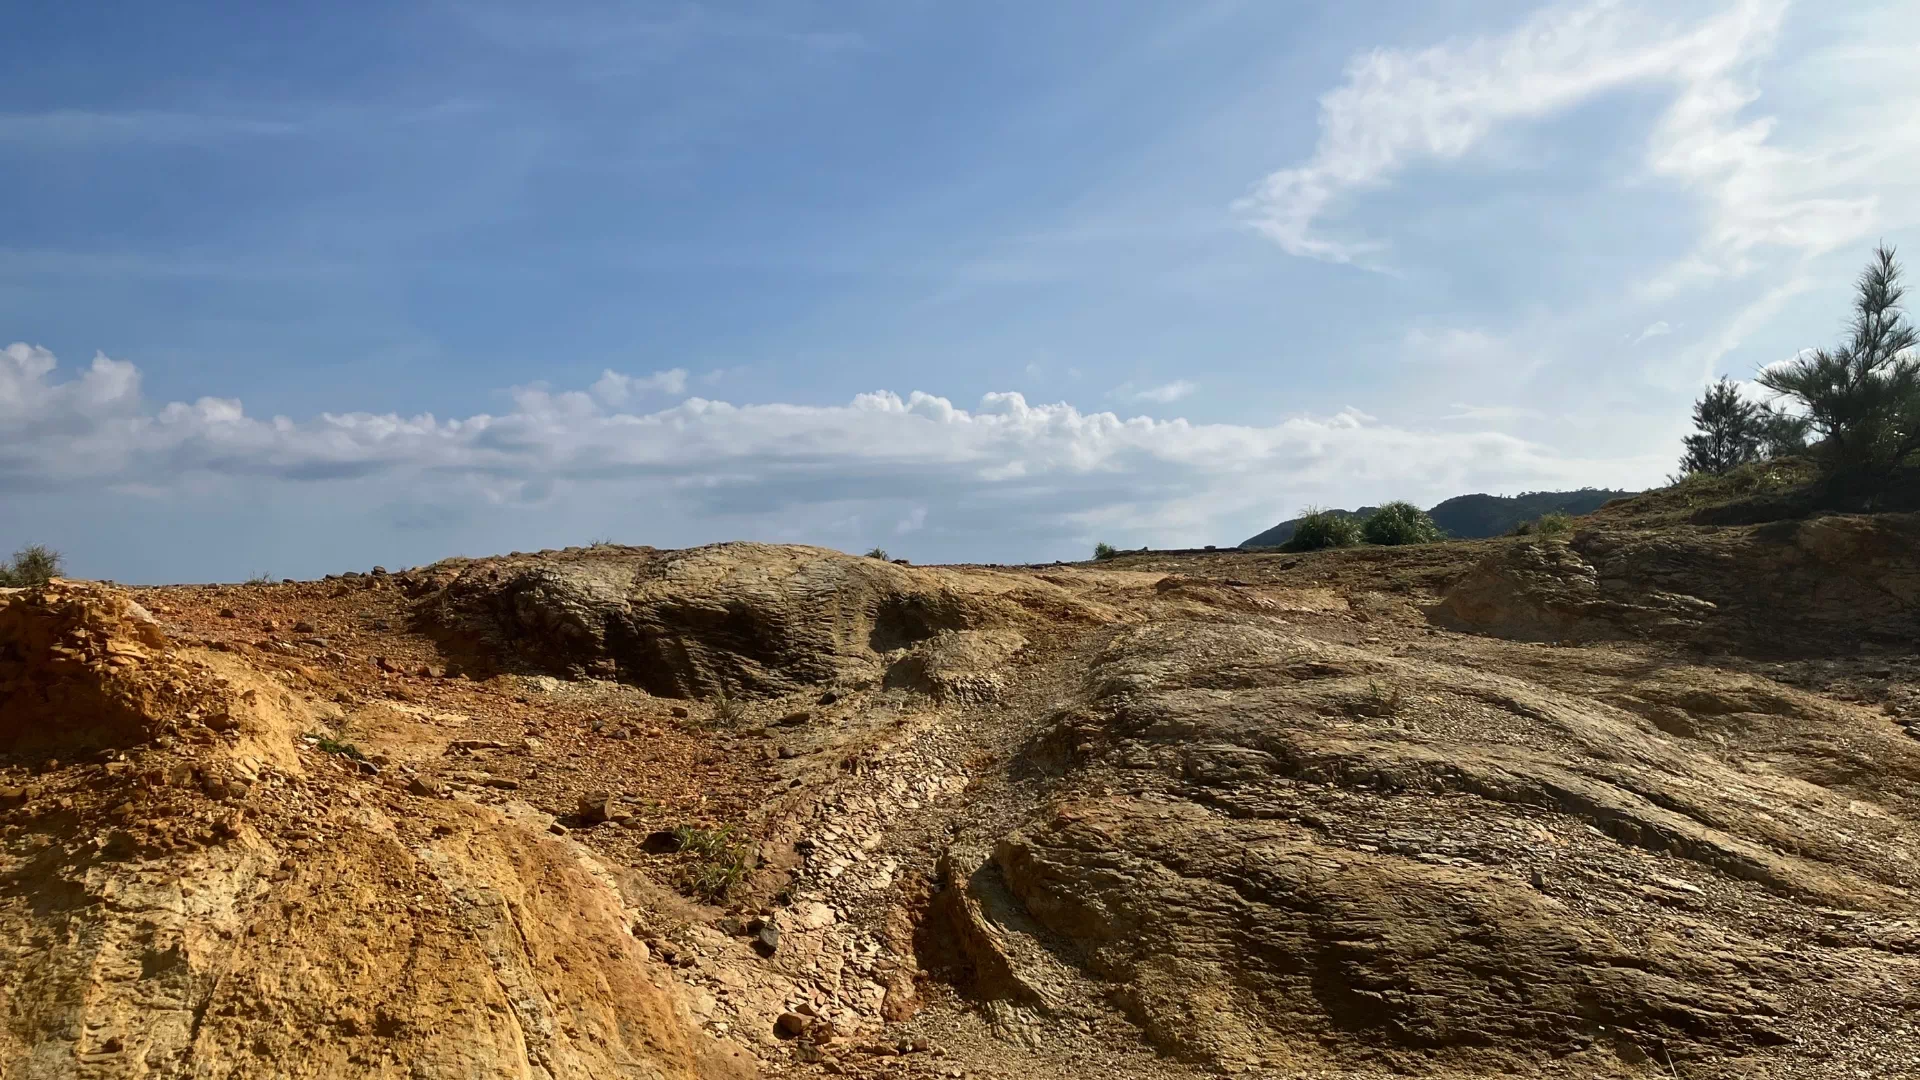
(1047,469)
(1784,186)
(613,388)
(1653,330)
(1485,413)
(1452,342)
(1400,107)
(1468,350)
(1166,393)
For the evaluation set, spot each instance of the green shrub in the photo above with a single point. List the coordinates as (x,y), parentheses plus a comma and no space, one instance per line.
(1105,551)
(1317,529)
(717,863)
(1769,477)
(327,744)
(1400,523)
(1554,523)
(879,553)
(35,564)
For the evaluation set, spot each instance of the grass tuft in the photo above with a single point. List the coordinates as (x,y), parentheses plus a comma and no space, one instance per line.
(718,862)
(1400,522)
(327,744)
(1318,529)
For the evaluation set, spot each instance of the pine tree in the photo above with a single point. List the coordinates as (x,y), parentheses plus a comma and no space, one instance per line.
(1730,431)
(1862,398)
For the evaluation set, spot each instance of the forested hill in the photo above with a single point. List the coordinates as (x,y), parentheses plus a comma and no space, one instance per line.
(1471,516)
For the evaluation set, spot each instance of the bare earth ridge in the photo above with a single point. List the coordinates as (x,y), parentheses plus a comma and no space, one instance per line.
(1638,803)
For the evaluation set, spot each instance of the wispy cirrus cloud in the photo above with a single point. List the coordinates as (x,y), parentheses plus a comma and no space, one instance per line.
(1398,108)
(1481,414)
(85,127)
(1774,186)
(1165,393)
(1658,328)
(611,28)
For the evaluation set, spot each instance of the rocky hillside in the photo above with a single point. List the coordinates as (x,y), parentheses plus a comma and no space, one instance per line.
(1641,803)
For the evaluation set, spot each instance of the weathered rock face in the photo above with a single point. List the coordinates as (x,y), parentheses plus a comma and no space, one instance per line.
(1234,939)
(194,903)
(64,669)
(744,619)
(1822,585)
(1332,856)
(959,665)
(84,669)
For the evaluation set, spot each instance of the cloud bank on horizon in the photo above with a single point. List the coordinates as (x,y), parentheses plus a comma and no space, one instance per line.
(1520,248)
(918,459)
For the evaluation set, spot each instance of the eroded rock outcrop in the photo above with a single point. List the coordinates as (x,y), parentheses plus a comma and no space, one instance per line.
(1328,855)
(1825,585)
(194,895)
(740,619)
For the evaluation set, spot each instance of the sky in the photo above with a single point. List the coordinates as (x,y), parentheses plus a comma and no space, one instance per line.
(301,288)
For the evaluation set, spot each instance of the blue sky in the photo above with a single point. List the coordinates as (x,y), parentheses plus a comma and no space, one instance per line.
(303,288)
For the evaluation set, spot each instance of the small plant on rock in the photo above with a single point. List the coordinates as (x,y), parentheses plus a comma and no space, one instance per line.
(35,564)
(717,862)
(728,711)
(327,744)
(880,553)
(1380,701)
(1318,529)
(1104,551)
(1399,523)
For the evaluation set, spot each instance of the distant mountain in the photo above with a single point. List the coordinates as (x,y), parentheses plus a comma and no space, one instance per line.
(1283,532)
(1468,517)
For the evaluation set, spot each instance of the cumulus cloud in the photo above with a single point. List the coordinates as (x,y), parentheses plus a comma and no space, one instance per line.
(1052,467)
(613,388)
